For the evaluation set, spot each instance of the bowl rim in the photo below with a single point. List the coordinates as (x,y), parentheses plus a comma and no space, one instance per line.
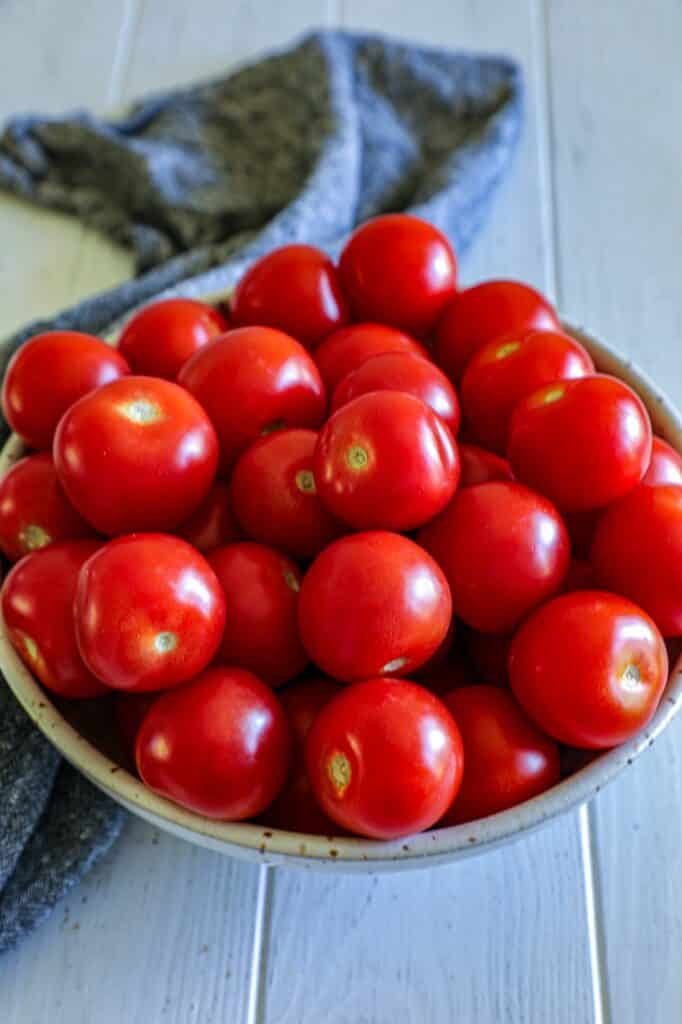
(281,846)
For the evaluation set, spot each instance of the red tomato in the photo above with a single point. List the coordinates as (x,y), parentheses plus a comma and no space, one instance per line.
(637,551)
(489,654)
(583,443)
(219,745)
(503,550)
(137,454)
(48,374)
(399,270)
(386,461)
(261,589)
(384,758)
(252,381)
(130,710)
(480,466)
(665,466)
(484,313)
(589,668)
(506,758)
(213,524)
(34,511)
(402,371)
(504,371)
(158,341)
(373,604)
(149,612)
(346,350)
(295,289)
(275,495)
(37,606)
(580,576)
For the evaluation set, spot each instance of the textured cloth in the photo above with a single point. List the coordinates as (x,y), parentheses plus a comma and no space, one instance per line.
(298,147)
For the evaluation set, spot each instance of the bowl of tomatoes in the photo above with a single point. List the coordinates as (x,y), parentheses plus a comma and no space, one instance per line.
(350,568)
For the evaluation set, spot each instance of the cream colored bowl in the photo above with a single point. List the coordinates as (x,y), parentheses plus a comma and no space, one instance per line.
(78,742)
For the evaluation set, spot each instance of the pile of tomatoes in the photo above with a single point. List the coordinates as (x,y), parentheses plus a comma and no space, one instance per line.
(362,552)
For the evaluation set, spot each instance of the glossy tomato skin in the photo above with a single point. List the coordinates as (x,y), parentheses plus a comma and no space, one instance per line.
(158,341)
(583,443)
(252,381)
(130,710)
(373,604)
(507,759)
(48,374)
(665,466)
(402,371)
(137,454)
(261,588)
(386,461)
(589,668)
(218,745)
(504,371)
(479,466)
(384,758)
(213,524)
(481,314)
(37,606)
(637,552)
(503,549)
(34,511)
(347,349)
(295,289)
(149,613)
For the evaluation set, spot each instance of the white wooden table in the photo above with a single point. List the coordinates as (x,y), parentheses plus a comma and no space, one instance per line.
(579,923)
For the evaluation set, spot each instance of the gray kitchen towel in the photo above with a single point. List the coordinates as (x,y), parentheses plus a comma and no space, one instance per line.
(198,182)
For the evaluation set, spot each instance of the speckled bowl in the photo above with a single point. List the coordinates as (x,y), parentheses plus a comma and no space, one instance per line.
(81,742)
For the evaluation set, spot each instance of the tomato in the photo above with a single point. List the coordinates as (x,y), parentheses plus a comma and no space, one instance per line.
(346,350)
(37,606)
(637,551)
(373,604)
(219,745)
(589,668)
(503,550)
(48,374)
(402,371)
(665,466)
(213,524)
(261,589)
(582,443)
(159,339)
(252,381)
(506,758)
(295,289)
(580,576)
(489,654)
(399,270)
(484,313)
(130,710)
(34,511)
(149,612)
(386,461)
(137,454)
(275,495)
(480,467)
(504,371)
(384,758)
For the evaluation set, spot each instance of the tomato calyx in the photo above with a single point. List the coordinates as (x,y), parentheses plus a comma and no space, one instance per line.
(305,481)
(357,458)
(33,537)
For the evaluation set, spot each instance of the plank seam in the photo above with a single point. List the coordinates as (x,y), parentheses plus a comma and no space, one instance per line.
(595,914)
(120,67)
(255,1011)
(546,149)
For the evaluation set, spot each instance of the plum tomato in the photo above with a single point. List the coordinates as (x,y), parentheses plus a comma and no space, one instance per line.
(479,466)
(252,381)
(149,612)
(489,655)
(589,668)
(506,758)
(213,524)
(386,461)
(137,454)
(504,371)
(129,711)
(637,552)
(37,606)
(48,374)
(34,510)
(373,604)
(384,758)
(346,350)
(399,270)
(583,443)
(481,314)
(159,339)
(665,465)
(295,289)
(275,497)
(261,588)
(503,549)
(218,745)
